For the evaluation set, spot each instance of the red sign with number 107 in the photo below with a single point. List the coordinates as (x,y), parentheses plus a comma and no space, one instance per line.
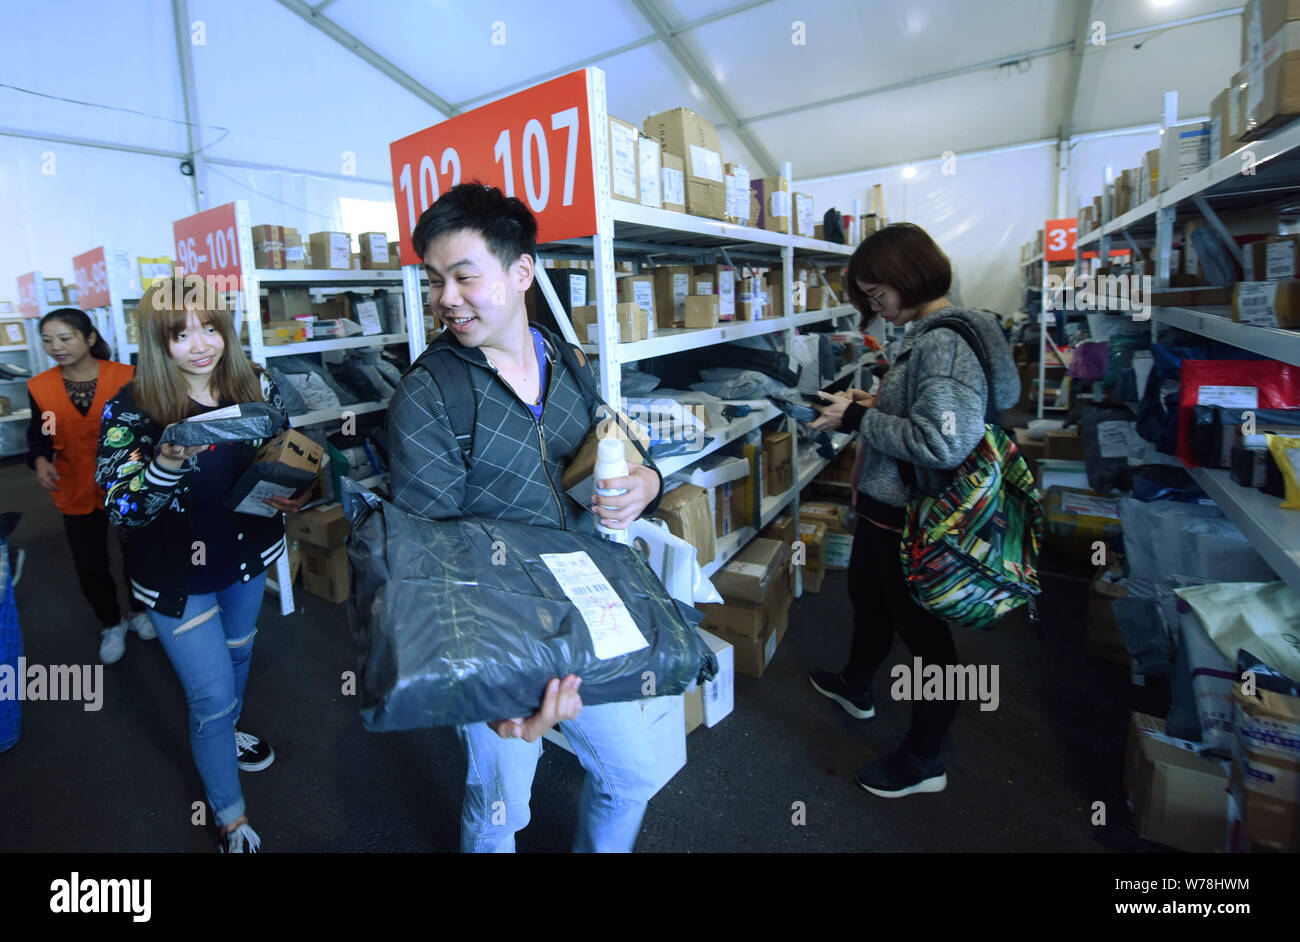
(207,244)
(535,145)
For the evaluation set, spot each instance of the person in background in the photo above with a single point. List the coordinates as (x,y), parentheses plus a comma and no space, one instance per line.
(62,437)
(929,411)
(198,567)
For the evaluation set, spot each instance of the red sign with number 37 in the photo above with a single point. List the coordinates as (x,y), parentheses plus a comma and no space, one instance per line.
(535,145)
(1058,239)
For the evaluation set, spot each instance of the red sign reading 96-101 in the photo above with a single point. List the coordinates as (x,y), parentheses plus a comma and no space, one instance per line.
(207,244)
(535,145)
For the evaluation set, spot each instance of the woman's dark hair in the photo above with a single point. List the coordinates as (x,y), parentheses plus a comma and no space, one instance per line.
(81,323)
(904,257)
(505,223)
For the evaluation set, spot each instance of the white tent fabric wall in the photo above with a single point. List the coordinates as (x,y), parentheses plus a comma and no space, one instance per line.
(1090,155)
(979,215)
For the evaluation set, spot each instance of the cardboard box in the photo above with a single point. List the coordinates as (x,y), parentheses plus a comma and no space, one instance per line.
(817,298)
(778,463)
(639,290)
(331,250)
(701,311)
(1184,151)
(1266,768)
(693,703)
(682,131)
(1178,798)
(277,333)
(325,572)
(804,219)
(324,526)
(1064,445)
(724,517)
(1033,449)
(775,204)
(672,285)
(673,182)
(781,530)
(1222,139)
(374,251)
(737,185)
(649,164)
(752,572)
(719,280)
(1076,519)
(686,511)
(833,516)
(1101,633)
(633,323)
(5,407)
(776,293)
(13,333)
(624,164)
(1272,66)
(719,694)
(285,304)
(1267,303)
(1280,258)
(268,247)
(1148,176)
(284,467)
(295,256)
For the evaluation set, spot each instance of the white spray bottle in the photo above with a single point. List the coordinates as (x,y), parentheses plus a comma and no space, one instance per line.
(611,462)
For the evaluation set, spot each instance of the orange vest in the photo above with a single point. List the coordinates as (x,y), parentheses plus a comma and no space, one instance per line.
(76,436)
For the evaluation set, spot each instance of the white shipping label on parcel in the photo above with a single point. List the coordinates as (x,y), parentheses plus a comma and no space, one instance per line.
(674,186)
(340,250)
(681,288)
(726,295)
(1089,506)
(379,247)
(622,142)
(706,164)
(296,253)
(648,154)
(750,570)
(1113,438)
(613,633)
(804,214)
(1255,300)
(1280,261)
(368,316)
(1254,60)
(779,204)
(643,294)
(1230,397)
(14,333)
(578,290)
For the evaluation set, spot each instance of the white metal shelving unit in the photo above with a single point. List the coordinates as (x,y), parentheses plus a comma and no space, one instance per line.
(1274,174)
(32,305)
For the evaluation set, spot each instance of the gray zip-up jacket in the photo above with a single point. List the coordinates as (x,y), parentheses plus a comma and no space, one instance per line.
(516,464)
(930,409)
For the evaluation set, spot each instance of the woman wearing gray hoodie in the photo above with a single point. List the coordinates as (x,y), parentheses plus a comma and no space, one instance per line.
(929,412)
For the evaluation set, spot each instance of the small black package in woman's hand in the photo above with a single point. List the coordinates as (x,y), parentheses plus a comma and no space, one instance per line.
(246,422)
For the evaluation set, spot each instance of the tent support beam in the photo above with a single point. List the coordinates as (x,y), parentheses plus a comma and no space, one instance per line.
(184,53)
(699,73)
(362,51)
(1082,25)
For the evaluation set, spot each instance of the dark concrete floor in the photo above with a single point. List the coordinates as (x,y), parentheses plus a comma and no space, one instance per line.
(1021,778)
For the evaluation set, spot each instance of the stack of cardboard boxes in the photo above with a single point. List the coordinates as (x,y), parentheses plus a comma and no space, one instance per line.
(322,534)
(756,591)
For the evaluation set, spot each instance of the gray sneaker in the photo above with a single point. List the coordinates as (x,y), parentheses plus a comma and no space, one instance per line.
(857,703)
(142,626)
(242,840)
(112,643)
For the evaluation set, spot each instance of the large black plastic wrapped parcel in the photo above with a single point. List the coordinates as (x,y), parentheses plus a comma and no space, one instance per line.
(461,621)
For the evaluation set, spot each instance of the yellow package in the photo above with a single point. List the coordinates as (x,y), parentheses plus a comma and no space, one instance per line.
(1285,450)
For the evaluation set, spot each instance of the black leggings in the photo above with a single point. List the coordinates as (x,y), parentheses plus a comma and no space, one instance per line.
(88,539)
(883,605)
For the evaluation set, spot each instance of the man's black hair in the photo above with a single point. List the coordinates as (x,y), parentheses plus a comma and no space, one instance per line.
(504,222)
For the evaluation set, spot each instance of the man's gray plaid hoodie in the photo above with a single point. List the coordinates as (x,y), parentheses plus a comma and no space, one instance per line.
(517,463)
(930,409)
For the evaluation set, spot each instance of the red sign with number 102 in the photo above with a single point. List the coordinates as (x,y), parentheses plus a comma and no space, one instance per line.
(535,145)
(207,244)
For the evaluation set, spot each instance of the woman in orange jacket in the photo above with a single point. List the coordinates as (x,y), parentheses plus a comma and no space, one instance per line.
(62,439)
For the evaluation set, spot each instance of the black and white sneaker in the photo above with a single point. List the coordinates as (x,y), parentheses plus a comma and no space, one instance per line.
(254,755)
(242,840)
(857,703)
(902,773)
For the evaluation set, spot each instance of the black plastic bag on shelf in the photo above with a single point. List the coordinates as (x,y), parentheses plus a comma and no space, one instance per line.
(833,226)
(1105,447)
(463,621)
(248,421)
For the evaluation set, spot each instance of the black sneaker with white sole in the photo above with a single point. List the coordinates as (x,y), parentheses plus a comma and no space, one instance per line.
(254,755)
(857,703)
(902,773)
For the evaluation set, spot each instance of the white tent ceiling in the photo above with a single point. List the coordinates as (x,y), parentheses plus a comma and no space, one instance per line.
(273,87)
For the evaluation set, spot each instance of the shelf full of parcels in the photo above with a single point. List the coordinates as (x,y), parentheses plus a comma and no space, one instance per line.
(1179,486)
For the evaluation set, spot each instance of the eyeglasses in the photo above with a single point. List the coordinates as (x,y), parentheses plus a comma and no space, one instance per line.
(875,296)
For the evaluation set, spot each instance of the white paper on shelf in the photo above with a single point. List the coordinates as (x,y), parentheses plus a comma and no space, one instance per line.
(53,292)
(252,502)
(340,250)
(1254,60)
(578,289)
(681,288)
(591,333)
(1255,303)
(643,294)
(706,163)
(1089,506)
(779,203)
(674,186)
(730,209)
(648,155)
(623,160)
(1113,438)
(1279,261)
(726,295)
(368,315)
(1216,136)
(703,286)
(14,333)
(379,247)
(1230,397)
(806,226)
(294,253)
(613,633)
